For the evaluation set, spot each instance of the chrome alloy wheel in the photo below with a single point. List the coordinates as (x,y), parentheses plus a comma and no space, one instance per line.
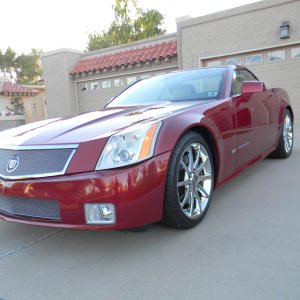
(194,180)
(287,133)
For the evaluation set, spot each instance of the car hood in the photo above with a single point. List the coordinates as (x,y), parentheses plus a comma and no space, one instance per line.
(90,126)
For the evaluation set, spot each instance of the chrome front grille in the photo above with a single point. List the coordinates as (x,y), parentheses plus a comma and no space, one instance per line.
(34,163)
(30,207)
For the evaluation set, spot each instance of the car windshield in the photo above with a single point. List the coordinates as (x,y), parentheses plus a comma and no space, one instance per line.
(200,84)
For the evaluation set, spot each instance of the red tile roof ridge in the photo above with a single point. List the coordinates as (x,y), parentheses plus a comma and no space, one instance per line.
(132,45)
(12,89)
(128,50)
(145,53)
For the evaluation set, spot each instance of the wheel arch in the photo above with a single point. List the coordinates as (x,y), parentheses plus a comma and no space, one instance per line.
(207,135)
(289,108)
(173,129)
(282,109)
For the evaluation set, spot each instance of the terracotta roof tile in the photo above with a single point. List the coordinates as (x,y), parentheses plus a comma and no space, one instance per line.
(126,57)
(10,89)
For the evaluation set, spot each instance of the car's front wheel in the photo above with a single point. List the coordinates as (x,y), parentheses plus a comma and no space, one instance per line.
(189,183)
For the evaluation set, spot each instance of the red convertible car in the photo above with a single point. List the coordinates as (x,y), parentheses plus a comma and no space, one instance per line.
(155,152)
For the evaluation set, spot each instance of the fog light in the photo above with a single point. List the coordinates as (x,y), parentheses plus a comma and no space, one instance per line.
(100,213)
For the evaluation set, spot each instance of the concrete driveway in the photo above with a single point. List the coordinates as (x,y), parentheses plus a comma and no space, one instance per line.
(247,247)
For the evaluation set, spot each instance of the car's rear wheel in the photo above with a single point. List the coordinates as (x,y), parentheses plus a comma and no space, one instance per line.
(286,139)
(190,182)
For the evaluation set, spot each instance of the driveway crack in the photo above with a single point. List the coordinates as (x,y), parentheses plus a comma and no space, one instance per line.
(42,238)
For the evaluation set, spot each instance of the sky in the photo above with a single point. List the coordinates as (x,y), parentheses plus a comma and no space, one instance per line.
(54,24)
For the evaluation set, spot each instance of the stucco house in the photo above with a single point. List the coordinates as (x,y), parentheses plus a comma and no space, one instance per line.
(264,36)
(30,100)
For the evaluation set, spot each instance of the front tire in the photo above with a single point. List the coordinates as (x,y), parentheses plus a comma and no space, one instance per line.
(189,183)
(286,140)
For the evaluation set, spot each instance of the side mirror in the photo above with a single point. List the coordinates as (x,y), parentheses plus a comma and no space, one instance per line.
(253,87)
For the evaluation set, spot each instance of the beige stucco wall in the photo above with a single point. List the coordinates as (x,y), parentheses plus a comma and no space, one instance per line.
(4,101)
(35,107)
(11,122)
(246,28)
(60,89)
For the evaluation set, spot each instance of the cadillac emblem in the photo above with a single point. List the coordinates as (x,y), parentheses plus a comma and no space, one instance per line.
(12,164)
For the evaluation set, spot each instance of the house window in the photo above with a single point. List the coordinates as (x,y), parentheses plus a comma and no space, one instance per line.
(145,76)
(233,61)
(295,53)
(276,55)
(214,63)
(131,80)
(106,84)
(254,59)
(84,87)
(118,82)
(94,86)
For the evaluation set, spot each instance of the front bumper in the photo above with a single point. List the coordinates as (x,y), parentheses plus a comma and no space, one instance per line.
(136,191)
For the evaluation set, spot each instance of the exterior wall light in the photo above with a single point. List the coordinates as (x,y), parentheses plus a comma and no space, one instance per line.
(285,30)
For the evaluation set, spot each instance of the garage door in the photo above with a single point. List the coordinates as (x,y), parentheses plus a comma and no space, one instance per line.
(278,67)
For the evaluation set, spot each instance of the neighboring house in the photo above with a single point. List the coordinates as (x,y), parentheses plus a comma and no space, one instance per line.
(100,76)
(77,82)
(32,97)
(36,107)
(264,36)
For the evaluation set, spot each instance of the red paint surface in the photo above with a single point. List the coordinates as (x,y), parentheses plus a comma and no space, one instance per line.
(137,193)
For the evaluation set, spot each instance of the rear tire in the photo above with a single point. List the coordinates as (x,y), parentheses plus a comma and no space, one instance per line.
(286,140)
(189,183)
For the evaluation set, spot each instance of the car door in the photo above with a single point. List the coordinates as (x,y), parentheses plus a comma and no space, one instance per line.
(255,118)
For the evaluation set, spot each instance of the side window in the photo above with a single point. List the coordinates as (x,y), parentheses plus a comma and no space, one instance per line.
(247,76)
(236,86)
(238,77)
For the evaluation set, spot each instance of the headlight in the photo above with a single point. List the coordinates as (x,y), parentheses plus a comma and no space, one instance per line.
(129,146)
